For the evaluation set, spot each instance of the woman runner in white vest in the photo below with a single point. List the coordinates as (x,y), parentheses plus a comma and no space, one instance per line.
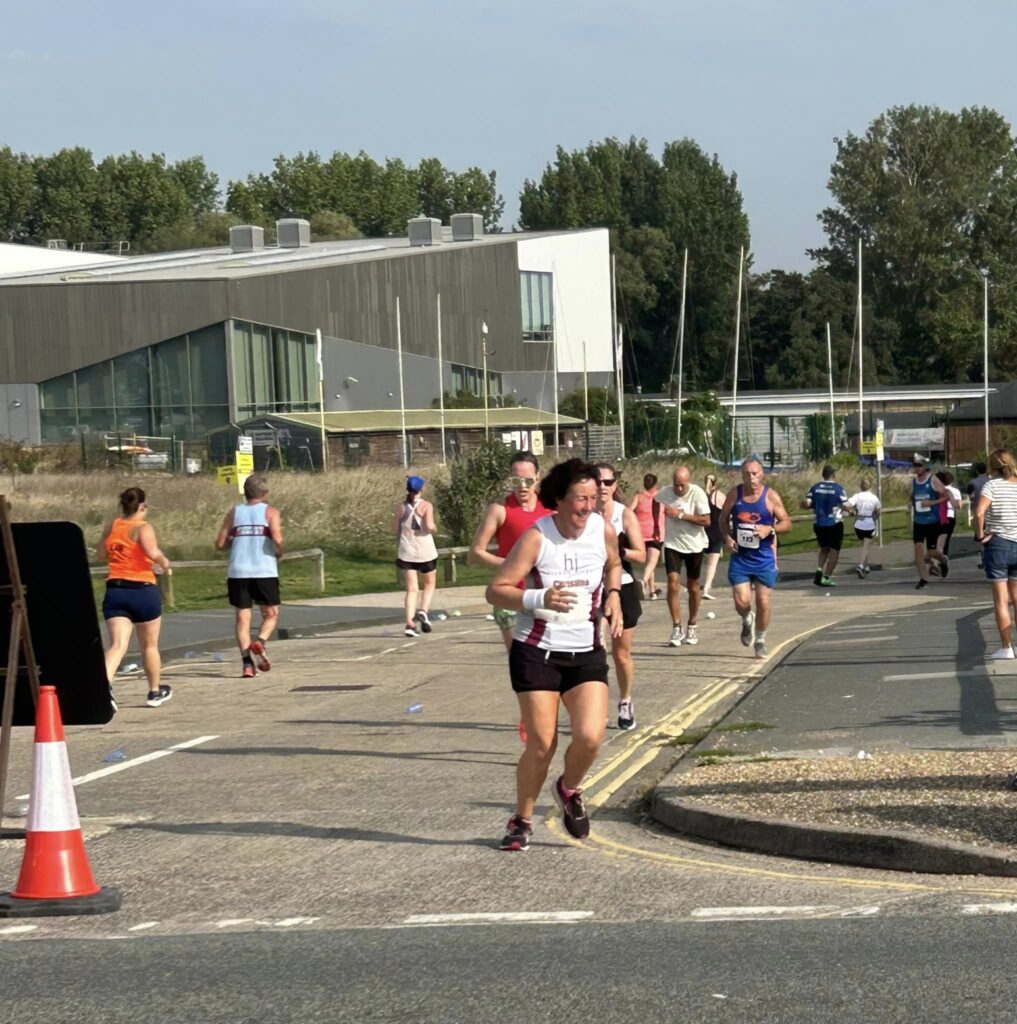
(569,562)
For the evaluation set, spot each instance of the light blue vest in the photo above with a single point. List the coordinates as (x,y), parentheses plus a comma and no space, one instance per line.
(252,553)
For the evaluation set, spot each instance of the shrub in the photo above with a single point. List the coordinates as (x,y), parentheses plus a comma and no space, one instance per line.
(473,482)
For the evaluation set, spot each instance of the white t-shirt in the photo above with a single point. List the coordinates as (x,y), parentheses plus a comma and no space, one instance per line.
(679,534)
(955,494)
(865,504)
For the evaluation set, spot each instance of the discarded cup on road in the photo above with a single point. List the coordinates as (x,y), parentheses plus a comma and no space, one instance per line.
(455,614)
(490,618)
(711,615)
(440,617)
(115,755)
(130,669)
(414,709)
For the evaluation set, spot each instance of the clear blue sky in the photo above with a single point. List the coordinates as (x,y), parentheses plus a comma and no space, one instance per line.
(764,84)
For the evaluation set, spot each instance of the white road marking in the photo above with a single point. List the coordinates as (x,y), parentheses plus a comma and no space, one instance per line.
(860,629)
(289,922)
(516,917)
(133,762)
(989,908)
(144,926)
(230,922)
(18,929)
(908,676)
(752,913)
(855,640)
(869,911)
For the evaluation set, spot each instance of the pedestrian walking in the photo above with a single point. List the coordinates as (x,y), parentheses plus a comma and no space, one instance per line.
(752,517)
(569,561)
(826,499)
(926,494)
(132,601)
(714,538)
(252,532)
(504,522)
(973,490)
(866,508)
(631,548)
(688,514)
(947,514)
(650,514)
(996,531)
(413,525)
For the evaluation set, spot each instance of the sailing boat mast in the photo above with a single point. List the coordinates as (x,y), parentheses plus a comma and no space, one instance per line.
(681,343)
(861,428)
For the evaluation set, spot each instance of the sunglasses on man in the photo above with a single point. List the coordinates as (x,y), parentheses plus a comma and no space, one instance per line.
(522,481)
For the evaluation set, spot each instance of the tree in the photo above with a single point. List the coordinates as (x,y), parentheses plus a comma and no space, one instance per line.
(65,196)
(17,195)
(327,226)
(654,210)
(473,482)
(603,404)
(932,195)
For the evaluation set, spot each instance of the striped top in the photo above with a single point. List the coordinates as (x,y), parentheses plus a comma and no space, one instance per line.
(1001,519)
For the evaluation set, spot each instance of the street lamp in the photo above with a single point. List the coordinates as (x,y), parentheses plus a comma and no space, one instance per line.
(985,351)
(484,354)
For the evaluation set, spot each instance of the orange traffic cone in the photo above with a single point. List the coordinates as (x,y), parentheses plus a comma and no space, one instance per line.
(55,878)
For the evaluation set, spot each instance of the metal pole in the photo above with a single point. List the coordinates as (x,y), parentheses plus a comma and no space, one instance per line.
(861,425)
(554,378)
(321,399)
(586,387)
(621,390)
(441,385)
(985,352)
(681,343)
(402,393)
(483,357)
(829,371)
(738,332)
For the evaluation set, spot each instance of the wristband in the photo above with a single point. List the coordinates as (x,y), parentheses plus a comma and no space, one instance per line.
(533,599)
(615,590)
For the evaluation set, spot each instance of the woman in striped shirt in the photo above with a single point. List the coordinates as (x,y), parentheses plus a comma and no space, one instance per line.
(996,528)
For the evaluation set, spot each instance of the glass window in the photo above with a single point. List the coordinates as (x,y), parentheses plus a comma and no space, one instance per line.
(208,365)
(95,385)
(58,425)
(134,421)
(172,420)
(537,305)
(458,379)
(131,380)
(96,421)
(170,379)
(209,417)
(58,393)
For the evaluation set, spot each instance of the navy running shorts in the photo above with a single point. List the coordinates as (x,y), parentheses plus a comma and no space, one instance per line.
(129,599)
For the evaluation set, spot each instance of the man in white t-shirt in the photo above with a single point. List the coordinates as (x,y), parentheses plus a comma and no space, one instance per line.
(865,507)
(687,514)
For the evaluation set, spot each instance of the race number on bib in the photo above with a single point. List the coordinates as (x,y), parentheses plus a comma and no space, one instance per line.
(580,612)
(920,506)
(747,537)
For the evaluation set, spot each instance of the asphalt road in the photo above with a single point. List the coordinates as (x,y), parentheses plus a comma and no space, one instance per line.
(280,843)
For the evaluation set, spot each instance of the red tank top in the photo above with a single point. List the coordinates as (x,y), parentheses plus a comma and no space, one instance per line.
(517,522)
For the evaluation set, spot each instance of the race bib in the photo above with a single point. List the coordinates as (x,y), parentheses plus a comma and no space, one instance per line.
(579,613)
(747,537)
(920,506)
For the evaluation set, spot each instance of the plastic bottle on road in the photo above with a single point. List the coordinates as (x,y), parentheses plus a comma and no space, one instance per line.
(414,709)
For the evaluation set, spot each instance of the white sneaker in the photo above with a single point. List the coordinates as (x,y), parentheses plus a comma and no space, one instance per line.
(677,636)
(691,636)
(707,596)
(1003,654)
(748,633)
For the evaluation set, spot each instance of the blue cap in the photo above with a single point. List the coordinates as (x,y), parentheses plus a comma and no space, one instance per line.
(415,483)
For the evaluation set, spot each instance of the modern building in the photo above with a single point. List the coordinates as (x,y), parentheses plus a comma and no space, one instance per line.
(965,426)
(180,344)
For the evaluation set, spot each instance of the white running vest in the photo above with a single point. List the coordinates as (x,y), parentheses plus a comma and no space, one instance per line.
(252,550)
(578,565)
(618,522)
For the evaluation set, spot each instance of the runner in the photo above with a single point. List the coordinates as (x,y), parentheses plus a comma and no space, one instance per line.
(926,493)
(996,531)
(947,515)
(825,499)
(758,514)
(132,598)
(688,514)
(413,524)
(974,491)
(631,549)
(714,538)
(505,521)
(567,560)
(650,514)
(866,508)
(253,534)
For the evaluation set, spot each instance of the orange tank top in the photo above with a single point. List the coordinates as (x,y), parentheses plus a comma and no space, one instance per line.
(127,560)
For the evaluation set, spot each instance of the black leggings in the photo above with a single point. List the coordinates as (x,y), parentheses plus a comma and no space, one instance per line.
(946,529)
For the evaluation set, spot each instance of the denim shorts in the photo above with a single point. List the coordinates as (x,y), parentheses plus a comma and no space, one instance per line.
(1000,558)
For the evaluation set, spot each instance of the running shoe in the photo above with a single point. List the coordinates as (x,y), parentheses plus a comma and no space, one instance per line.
(1003,654)
(654,594)
(860,569)
(944,567)
(573,810)
(248,672)
(921,584)
(817,580)
(677,635)
(517,835)
(113,701)
(934,569)
(160,696)
(868,569)
(410,630)
(425,622)
(827,582)
(760,648)
(260,655)
(748,629)
(707,596)
(626,716)
(691,636)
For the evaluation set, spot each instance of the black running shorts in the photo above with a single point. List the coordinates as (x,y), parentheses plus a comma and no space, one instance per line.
(693,562)
(831,537)
(430,566)
(244,593)
(558,671)
(864,534)
(925,533)
(630,605)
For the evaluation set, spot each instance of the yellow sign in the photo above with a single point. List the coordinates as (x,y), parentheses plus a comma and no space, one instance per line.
(226,475)
(245,463)
(874,448)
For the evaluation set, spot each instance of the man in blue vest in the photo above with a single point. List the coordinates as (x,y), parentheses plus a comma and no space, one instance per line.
(927,494)
(825,499)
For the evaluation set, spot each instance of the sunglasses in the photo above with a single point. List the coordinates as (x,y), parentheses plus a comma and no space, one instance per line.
(606,481)
(522,481)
